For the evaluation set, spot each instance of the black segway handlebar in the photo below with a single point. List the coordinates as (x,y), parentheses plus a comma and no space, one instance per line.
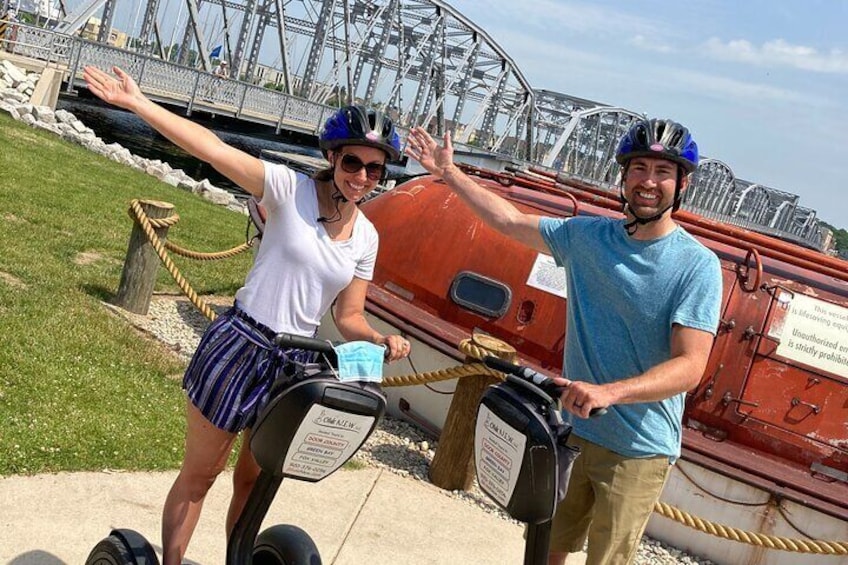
(324,347)
(526,373)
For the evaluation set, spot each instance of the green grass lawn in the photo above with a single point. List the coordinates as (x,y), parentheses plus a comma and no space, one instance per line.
(80,389)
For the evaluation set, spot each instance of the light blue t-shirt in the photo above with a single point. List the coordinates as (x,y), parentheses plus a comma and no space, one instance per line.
(623,297)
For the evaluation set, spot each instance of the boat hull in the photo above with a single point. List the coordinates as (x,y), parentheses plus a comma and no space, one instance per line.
(705,494)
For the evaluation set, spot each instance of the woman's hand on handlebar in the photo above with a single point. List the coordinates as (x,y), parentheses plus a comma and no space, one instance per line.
(397,347)
(580,398)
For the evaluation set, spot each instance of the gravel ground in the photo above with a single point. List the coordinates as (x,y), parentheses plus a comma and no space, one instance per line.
(396,445)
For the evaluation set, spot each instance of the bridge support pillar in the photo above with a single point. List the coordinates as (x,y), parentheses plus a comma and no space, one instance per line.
(47,88)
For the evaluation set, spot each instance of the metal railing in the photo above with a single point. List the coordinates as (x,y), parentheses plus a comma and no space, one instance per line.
(170,82)
(36,43)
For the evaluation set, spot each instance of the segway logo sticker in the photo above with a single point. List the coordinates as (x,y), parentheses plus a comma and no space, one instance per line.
(335,421)
(499,452)
(325,440)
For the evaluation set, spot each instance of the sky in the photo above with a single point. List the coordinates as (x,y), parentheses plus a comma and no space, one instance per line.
(762,85)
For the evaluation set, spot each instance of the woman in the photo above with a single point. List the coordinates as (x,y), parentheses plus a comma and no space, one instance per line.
(317,250)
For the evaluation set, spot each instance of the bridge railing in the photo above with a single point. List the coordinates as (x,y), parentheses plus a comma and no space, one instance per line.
(38,43)
(171,83)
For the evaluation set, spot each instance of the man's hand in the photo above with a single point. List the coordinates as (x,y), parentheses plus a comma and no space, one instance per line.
(580,397)
(423,148)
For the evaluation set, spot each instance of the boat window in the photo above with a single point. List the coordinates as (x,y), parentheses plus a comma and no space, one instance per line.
(481,294)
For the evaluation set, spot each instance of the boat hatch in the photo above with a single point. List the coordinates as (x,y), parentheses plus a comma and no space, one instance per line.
(481,294)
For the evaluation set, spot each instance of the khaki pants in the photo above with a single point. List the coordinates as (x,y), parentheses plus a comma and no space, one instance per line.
(609,501)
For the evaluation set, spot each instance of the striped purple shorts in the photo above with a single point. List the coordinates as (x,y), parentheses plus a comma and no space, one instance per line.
(231,373)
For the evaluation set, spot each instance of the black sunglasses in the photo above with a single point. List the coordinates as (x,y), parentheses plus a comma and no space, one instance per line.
(353,164)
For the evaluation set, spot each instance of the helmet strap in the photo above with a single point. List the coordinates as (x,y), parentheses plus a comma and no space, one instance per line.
(681,172)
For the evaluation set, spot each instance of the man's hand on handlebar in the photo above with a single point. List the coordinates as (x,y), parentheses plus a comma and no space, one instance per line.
(580,397)
(583,402)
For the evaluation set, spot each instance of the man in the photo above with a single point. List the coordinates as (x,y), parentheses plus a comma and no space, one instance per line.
(643,308)
(222,70)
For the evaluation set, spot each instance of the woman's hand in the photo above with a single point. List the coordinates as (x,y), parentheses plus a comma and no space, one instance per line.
(423,148)
(397,347)
(122,92)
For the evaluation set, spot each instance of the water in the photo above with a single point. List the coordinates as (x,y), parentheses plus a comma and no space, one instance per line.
(118,126)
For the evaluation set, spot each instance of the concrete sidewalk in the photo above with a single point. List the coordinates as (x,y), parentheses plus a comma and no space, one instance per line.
(363,516)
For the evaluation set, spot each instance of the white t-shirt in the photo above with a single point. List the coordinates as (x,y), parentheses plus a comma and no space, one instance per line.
(299,270)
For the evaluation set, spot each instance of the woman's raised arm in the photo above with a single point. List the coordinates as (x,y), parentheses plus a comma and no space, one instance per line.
(242,168)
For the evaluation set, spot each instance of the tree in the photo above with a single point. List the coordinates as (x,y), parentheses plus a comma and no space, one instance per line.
(840,236)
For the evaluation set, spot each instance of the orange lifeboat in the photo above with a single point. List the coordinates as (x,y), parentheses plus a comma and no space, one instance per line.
(767,427)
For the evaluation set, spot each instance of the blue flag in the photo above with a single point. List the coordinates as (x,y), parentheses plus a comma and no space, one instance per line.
(216,52)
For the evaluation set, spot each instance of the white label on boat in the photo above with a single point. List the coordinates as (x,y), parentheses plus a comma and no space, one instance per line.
(545,275)
(815,333)
(498,453)
(324,441)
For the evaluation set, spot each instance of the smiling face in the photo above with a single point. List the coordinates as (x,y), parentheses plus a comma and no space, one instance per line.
(649,186)
(357,169)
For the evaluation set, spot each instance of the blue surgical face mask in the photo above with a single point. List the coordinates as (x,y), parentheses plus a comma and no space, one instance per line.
(360,361)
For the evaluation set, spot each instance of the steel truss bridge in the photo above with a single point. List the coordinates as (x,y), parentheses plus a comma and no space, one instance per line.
(420,60)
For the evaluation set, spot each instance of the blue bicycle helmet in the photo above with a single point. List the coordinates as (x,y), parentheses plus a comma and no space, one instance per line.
(664,139)
(357,125)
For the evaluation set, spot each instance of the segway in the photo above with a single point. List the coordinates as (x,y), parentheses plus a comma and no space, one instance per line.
(523,463)
(312,425)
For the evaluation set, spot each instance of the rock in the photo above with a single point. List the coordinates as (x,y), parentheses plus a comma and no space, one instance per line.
(171,179)
(14,96)
(13,73)
(219,196)
(65,117)
(25,109)
(8,108)
(79,127)
(188,185)
(52,128)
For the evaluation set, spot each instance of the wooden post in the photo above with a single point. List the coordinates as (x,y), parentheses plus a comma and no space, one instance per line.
(453,464)
(139,275)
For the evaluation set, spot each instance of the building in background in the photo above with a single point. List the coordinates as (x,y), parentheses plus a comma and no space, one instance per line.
(91,30)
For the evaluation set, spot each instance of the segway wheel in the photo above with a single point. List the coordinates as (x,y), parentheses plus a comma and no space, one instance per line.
(123,547)
(285,544)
